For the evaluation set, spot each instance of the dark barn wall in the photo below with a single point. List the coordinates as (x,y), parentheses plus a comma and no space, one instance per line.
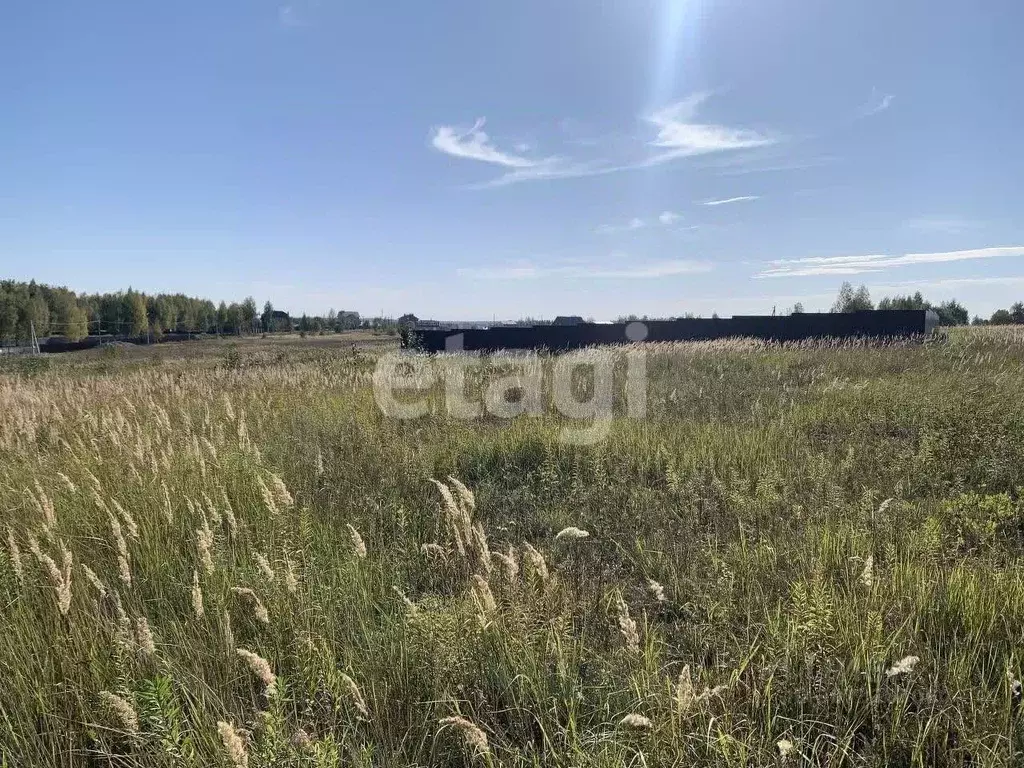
(866,324)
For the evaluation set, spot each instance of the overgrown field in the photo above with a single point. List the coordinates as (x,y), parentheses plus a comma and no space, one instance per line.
(802,555)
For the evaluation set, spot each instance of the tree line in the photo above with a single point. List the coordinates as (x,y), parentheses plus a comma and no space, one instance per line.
(27,308)
(1012,316)
(951,312)
(852,299)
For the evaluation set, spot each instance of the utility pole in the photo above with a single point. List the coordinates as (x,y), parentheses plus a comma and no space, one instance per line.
(35,341)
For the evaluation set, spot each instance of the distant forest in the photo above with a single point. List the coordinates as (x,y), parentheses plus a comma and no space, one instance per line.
(48,311)
(950,312)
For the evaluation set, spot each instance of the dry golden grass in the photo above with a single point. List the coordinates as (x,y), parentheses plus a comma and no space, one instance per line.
(807,554)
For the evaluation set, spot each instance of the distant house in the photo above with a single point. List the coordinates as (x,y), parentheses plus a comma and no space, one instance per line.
(568,320)
(409,319)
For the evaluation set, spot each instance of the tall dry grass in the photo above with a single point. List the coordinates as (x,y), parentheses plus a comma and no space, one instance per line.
(806,554)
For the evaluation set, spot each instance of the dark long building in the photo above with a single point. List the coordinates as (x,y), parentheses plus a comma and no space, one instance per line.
(867,324)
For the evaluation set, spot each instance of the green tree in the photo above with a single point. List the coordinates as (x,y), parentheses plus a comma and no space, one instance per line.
(347,321)
(206,316)
(136,318)
(1017,313)
(247,315)
(8,315)
(917,301)
(852,300)
(77,325)
(1001,317)
(234,318)
(222,317)
(70,318)
(952,313)
(35,316)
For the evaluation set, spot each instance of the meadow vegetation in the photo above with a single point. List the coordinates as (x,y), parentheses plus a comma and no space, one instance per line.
(807,554)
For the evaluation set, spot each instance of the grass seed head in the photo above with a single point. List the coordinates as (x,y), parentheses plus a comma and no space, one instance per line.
(903,666)
(15,554)
(465,494)
(264,566)
(282,497)
(636,722)
(261,668)
(123,560)
(867,576)
(204,547)
(627,626)
(125,712)
(474,737)
(129,521)
(657,591)
(685,696)
(259,609)
(509,564)
(535,561)
(268,498)
(72,488)
(291,579)
(60,576)
(234,745)
(90,574)
(356,695)
(484,596)
(45,506)
(197,595)
(434,550)
(358,545)
(571,533)
(144,637)
(229,636)
(410,606)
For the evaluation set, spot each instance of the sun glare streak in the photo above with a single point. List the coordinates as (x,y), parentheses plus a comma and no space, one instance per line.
(676,46)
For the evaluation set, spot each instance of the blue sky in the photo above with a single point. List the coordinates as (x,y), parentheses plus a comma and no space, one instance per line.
(473,160)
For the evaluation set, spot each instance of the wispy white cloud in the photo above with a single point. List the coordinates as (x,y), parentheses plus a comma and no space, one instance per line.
(556,168)
(474,144)
(951,282)
(663,219)
(854,265)
(729,200)
(611,229)
(945,225)
(653,269)
(582,270)
(746,165)
(678,135)
(787,155)
(879,102)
